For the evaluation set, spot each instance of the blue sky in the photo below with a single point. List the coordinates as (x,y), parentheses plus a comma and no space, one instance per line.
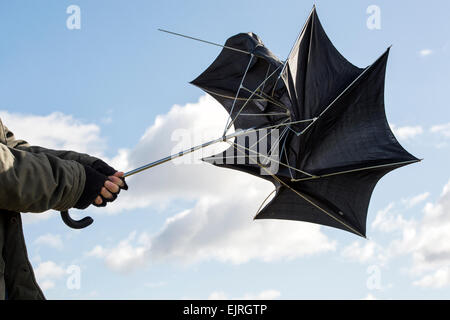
(185,231)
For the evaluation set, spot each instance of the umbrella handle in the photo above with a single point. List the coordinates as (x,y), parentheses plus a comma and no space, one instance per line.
(75,224)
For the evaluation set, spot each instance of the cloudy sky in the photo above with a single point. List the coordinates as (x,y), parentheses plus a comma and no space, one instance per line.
(118,89)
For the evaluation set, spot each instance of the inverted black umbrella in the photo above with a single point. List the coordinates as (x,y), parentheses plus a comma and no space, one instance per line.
(332,140)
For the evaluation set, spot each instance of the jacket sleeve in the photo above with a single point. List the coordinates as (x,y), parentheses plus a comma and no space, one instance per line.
(82,158)
(32,182)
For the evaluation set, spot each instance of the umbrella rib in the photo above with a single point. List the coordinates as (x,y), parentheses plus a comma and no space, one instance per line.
(267,99)
(356,170)
(237,94)
(262,203)
(276,125)
(270,99)
(298,37)
(285,124)
(228,157)
(287,159)
(204,41)
(277,143)
(307,199)
(271,148)
(230,97)
(279,139)
(263,136)
(341,94)
(345,90)
(275,84)
(264,114)
(252,94)
(264,156)
(204,145)
(296,133)
(267,72)
(245,99)
(293,46)
(284,142)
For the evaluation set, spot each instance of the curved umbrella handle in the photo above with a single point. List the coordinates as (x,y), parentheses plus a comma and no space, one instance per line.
(75,224)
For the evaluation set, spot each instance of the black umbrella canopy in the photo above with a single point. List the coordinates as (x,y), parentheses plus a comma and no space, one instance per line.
(235,75)
(335,140)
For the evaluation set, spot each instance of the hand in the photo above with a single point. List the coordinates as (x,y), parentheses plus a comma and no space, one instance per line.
(111,188)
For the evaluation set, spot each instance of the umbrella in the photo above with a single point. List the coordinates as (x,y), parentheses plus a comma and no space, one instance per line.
(330,139)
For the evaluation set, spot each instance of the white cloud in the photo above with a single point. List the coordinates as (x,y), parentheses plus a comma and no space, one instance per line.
(426,241)
(432,248)
(120,161)
(55,131)
(441,134)
(440,278)
(415,200)
(30,218)
(49,269)
(223,229)
(263,295)
(369,251)
(406,132)
(370,297)
(126,256)
(51,240)
(387,220)
(46,285)
(47,272)
(218,295)
(62,132)
(425,52)
(156,284)
(442,129)
(379,221)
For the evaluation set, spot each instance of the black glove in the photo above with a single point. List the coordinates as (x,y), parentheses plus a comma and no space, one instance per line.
(92,187)
(104,168)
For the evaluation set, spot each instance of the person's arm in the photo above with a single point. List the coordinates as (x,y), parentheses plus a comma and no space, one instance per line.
(101,170)
(82,158)
(38,182)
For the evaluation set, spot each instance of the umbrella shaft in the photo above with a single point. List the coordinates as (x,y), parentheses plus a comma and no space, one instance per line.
(184,152)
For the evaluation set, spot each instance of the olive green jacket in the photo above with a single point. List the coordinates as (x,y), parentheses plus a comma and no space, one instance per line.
(32,179)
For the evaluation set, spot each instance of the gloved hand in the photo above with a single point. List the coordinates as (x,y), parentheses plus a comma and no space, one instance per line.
(103,184)
(95,181)
(104,168)
(112,186)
